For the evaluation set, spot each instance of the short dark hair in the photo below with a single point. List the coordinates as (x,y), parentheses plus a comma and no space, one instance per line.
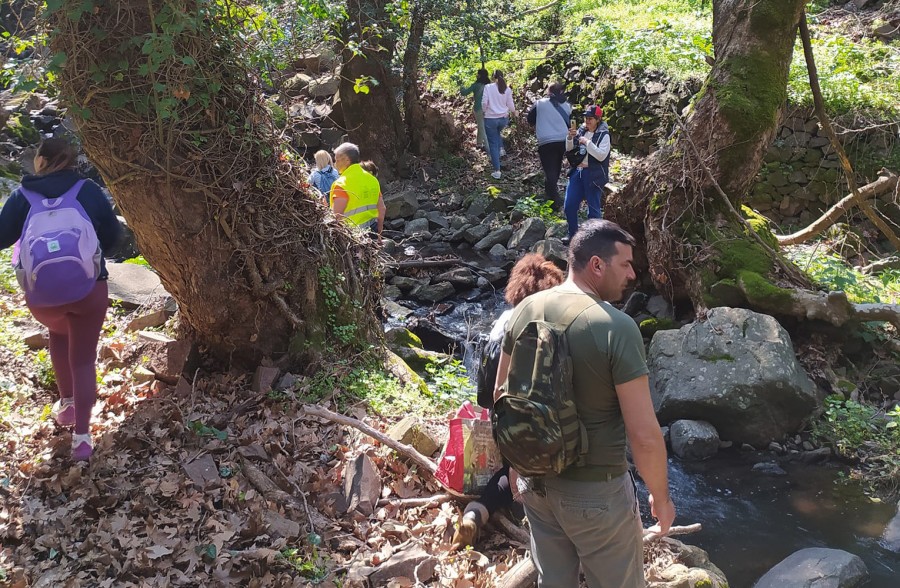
(556,88)
(596,237)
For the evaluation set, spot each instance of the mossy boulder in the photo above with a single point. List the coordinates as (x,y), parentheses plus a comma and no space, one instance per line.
(650,326)
(21,131)
(399,337)
(760,226)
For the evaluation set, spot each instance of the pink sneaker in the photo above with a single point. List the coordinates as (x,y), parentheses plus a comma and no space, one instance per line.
(82,447)
(63,412)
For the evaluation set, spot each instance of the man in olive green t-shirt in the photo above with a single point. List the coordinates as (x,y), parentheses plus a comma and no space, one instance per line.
(589,513)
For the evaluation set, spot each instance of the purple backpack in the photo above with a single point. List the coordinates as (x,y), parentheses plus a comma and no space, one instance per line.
(59,257)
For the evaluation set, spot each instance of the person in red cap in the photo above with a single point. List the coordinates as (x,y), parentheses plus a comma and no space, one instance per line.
(589,176)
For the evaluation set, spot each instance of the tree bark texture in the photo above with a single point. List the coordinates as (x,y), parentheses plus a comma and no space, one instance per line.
(178,130)
(373,118)
(672,203)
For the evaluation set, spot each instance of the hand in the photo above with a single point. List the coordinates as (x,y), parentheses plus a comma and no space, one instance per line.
(582,141)
(514,485)
(664,512)
(573,132)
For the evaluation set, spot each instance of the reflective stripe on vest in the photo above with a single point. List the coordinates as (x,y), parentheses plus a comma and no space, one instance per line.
(362,189)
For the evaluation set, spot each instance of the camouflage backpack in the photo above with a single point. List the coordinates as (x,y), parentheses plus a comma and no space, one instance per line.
(535,420)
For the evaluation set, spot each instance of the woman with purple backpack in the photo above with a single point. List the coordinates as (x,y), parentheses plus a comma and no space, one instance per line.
(63,223)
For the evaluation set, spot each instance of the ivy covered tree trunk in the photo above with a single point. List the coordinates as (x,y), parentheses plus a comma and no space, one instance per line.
(698,249)
(368,94)
(179,131)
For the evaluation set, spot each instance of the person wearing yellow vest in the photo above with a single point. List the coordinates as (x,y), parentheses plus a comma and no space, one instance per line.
(356,194)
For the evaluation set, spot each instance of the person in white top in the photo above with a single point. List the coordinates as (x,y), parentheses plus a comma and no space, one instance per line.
(589,176)
(497,104)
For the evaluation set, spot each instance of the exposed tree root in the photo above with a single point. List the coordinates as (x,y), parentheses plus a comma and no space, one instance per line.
(831,307)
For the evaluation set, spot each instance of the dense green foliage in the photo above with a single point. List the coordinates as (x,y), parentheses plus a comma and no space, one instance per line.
(861,432)
(832,272)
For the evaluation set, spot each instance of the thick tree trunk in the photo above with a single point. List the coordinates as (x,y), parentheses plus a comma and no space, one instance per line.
(693,241)
(411,112)
(179,132)
(372,117)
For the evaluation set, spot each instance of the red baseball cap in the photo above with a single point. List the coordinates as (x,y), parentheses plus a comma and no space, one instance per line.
(594,111)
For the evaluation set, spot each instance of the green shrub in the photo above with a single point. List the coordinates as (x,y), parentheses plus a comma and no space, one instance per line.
(865,435)
(832,272)
(532,207)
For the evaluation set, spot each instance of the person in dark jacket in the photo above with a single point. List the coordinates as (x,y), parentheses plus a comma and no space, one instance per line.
(74,327)
(531,274)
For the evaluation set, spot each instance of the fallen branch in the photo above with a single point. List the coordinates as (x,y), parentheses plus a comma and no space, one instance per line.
(883,184)
(270,491)
(819,104)
(401,448)
(524,574)
(510,529)
(425,263)
(417,501)
(892,262)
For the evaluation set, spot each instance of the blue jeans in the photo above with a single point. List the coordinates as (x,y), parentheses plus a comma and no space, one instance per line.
(595,524)
(492,128)
(585,183)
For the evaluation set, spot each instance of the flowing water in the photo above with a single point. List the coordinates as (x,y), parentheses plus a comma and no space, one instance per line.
(751,521)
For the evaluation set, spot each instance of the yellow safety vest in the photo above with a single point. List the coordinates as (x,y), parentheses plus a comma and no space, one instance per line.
(362,190)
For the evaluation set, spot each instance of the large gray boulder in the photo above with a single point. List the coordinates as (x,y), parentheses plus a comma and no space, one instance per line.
(736,370)
(496,236)
(816,567)
(401,204)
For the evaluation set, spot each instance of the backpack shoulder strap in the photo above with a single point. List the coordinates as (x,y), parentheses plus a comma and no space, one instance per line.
(40,202)
(561,111)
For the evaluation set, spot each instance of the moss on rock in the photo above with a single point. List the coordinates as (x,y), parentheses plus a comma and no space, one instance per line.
(650,326)
(764,294)
(741,254)
(760,226)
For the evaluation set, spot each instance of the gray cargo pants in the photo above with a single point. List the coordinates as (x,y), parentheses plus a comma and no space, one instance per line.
(596,524)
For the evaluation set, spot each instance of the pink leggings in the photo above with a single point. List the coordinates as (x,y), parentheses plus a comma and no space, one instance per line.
(74,334)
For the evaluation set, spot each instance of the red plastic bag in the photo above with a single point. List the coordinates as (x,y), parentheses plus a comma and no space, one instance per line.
(470,457)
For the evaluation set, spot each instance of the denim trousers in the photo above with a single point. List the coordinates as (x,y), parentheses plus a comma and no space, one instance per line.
(492,128)
(595,524)
(585,183)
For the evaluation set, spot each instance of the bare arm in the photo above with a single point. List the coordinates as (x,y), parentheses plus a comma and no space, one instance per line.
(647,446)
(382,209)
(502,371)
(339,205)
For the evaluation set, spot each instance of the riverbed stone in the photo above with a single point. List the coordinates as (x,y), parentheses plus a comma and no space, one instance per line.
(691,568)
(401,204)
(406,283)
(434,292)
(816,567)
(436,248)
(694,440)
(496,236)
(529,232)
(552,249)
(768,468)
(416,226)
(461,278)
(476,233)
(738,370)
(437,220)
(557,230)
(498,251)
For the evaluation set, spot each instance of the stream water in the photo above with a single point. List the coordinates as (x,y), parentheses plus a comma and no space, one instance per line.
(750,521)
